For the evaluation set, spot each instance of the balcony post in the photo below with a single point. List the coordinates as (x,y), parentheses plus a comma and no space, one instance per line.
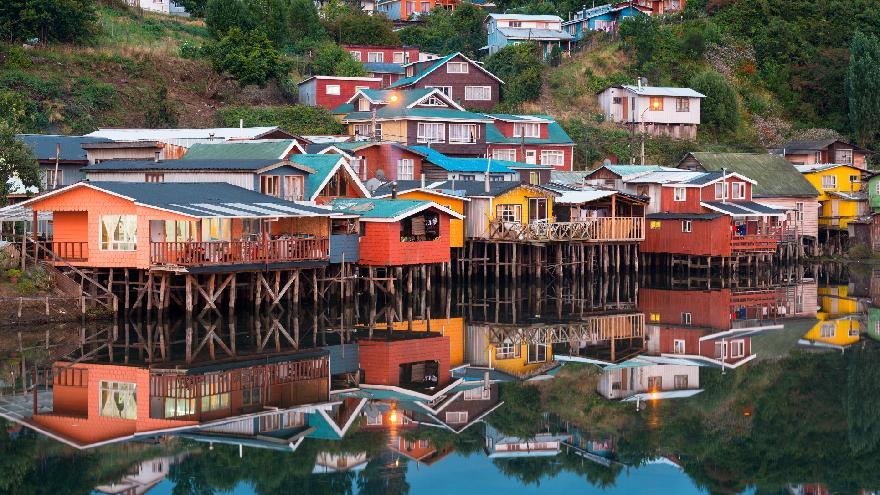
(36,231)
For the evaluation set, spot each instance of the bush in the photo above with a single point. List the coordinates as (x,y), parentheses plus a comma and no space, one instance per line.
(48,20)
(860,252)
(190,50)
(332,60)
(521,70)
(34,281)
(720,109)
(356,27)
(251,58)
(298,119)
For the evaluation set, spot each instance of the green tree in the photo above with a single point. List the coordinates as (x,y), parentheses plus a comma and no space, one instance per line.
(355,27)
(195,8)
(298,119)
(303,22)
(719,111)
(349,67)
(249,57)
(331,59)
(16,160)
(445,32)
(521,70)
(161,113)
(223,15)
(863,88)
(49,20)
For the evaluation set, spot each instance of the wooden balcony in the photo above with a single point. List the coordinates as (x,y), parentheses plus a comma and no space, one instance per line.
(67,250)
(212,253)
(594,329)
(603,229)
(755,243)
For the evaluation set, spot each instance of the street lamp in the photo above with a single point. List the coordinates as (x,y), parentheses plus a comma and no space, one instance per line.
(655,104)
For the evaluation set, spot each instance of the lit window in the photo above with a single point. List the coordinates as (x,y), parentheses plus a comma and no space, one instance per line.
(657,103)
(118,232)
(655,224)
(680,194)
(655,317)
(332,89)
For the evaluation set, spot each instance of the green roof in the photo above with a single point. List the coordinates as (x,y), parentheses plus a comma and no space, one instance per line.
(377,208)
(323,166)
(555,133)
(407,97)
(775,176)
(250,150)
(406,81)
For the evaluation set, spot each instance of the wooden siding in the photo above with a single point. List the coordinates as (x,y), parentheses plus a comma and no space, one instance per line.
(809,227)
(381,360)
(381,246)
(240,179)
(456,226)
(476,149)
(520,150)
(457,83)
(707,237)
(344,245)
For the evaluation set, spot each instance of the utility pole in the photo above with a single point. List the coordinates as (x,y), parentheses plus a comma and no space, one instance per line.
(373,124)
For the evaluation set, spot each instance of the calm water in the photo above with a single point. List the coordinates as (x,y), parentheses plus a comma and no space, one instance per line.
(770,386)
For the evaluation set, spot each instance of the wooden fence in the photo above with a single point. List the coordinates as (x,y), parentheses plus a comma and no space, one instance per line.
(238,252)
(602,229)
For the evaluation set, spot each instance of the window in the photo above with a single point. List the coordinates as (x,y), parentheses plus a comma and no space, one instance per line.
(507,350)
(843,157)
(686,226)
(656,103)
(686,318)
(180,231)
(721,191)
(854,178)
(655,224)
(446,90)
(270,185)
(216,229)
(738,190)
(479,393)
(456,417)
(737,348)
(510,155)
(332,89)
(478,93)
(682,105)
(406,169)
(552,157)
(616,100)
(398,57)
(514,24)
(678,346)
(363,106)
(118,400)
(462,133)
(537,210)
(680,194)
(527,130)
(680,382)
(431,133)
(375,57)
(829,182)
(457,67)
(853,329)
(118,232)
(374,420)
(215,394)
(799,212)
(827,330)
(362,130)
(533,178)
(176,407)
(356,55)
(655,317)
(508,213)
(537,353)
(377,132)
(293,187)
(721,350)
(433,101)
(154,177)
(655,383)
(426,6)
(53,180)
(424,227)
(252,396)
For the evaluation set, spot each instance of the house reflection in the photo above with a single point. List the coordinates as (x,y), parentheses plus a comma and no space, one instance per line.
(140,479)
(840,319)
(649,378)
(544,444)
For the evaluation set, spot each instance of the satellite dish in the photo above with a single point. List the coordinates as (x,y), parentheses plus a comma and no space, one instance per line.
(380,174)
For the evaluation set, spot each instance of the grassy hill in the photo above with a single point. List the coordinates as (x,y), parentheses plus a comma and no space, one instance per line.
(120,76)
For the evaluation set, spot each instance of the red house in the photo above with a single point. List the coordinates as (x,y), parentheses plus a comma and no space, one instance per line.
(382,160)
(400,55)
(396,232)
(536,139)
(331,91)
(712,214)
(464,81)
(414,364)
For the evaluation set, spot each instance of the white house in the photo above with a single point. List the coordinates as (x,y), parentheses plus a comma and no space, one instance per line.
(162,6)
(654,110)
(545,30)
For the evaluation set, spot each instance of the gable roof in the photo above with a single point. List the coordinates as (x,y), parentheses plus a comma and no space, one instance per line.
(43,145)
(384,68)
(555,133)
(386,210)
(262,149)
(662,91)
(535,34)
(477,188)
(707,178)
(624,170)
(456,164)
(405,186)
(526,17)
(821,167)
(202,200)
(193,164)
(350,147)
(773,174)
(434,65)
(325,166)
(813,145)
(186,137)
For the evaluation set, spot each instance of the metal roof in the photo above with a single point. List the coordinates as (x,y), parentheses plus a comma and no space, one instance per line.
(266,149)
(683,216)
(820,167)
(811,145)
(743,208)
(43,145)
(527,17)
(184,137)
(388,210)
(432,65)
(476,165)
(773,174)
(555,134)
(663,91)
(19,213)
(192,164)
(535,34)
(324,166)
(579,197)
(664,177)
(384,68)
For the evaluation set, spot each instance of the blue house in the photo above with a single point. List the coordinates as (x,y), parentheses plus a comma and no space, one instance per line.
(60,157)
(605,18)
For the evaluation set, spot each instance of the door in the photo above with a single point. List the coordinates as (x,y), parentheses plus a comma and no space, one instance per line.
(531,156)
(835,211)
(537,210)
(157,230)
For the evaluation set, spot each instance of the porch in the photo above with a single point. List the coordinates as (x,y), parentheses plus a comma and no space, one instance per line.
(194,253)
(600,229)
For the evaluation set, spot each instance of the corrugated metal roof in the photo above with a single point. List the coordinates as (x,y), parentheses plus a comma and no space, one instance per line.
(579,197)
(818,167)
(683,216)
(555,135)
(395,112)
(164,135)
(664,177)
(139,165)
(809,145)
(324,166)
(535,34)
(527,17)
(663,91)
(43,145)
(476,165)
(263,149)
(773,174)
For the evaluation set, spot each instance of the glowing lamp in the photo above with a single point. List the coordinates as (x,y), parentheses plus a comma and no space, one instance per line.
(393,98)
(655,104)
(393,417)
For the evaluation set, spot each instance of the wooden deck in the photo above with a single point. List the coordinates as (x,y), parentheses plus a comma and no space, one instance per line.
(603,229)
(212,253)
(755,243)
(593,329)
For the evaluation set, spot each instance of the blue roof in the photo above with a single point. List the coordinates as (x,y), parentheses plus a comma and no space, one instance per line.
(43,145)
(192,164)
(378,208)
(323,166)
(454,164)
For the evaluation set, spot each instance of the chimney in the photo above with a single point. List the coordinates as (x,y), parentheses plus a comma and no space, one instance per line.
(640,84)
(241,123)
(423,181)
(210,136)
(156,156)
(394,190)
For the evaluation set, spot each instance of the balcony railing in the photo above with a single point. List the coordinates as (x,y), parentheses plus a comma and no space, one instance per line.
(755,242)
(238,252)
(603,229)
(68,250)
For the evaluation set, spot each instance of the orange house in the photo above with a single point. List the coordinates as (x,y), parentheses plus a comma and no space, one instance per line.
(414,190)
(180,225)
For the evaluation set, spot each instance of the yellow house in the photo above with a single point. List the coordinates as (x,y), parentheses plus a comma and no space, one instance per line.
(840,193)
(507,202)
(499,347)
(453,202)
(838,316)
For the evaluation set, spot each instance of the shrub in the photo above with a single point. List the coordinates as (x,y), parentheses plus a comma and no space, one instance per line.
(521,69)
(332,60)
(190,50)
(860,252)
(720,109)
(249,57)
(48,20)
(298,119)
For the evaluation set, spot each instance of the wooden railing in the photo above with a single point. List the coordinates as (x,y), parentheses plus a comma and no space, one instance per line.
(68,250)
(602,229)
(755,242)
(238,252)
(594,329)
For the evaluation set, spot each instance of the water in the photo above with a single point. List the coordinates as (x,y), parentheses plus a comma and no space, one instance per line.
(767,387)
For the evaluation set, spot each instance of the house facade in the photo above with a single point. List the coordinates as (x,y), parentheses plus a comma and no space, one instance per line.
(464,81)
(160,6)
(406,10)
(381,160)
(659,111)
(371,54)
(827,151)
(511,29)
(605,18)
(331,91)
(841,197)
(661,7)
(60,157)
(417,191)
(533,139)
(416,117)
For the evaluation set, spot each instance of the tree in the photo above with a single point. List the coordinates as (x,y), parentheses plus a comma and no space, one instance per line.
(349,67)
(303,22)
(355,27)
(223,15)
(16,160)
(161,112)
(520,69)
(331,59)
(48,20)
(443,31)
(195,8)
(250,57)
(719,111)
(298,119)
(863,88)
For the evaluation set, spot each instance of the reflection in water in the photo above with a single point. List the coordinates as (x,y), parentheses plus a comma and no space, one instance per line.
(611,383)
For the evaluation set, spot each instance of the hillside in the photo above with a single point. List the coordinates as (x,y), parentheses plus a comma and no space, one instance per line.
(120,76)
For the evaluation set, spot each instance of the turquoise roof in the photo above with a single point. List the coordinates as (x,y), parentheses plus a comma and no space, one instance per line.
(377,208)
(241,150)
(451,164)
(406,81)
(399,111)
(322,429)
(624,170)
(323,166)
(407,97)
(555,133)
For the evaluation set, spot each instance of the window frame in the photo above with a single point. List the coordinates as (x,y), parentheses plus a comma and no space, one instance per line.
(687,226)
(679,198)
(450,65)
(832,181)
(406,169)
(675,346)
(555,153)
(333,90)
(371,58)
(509,154)
(723,188)
(520,129)
(485,95)
(356,54)
(422,138)
(687,318)
(679,107)
(110,244)
(460,127)
(502,210)
(738,190)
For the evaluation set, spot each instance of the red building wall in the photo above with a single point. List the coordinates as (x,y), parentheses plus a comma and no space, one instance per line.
(387,51)
(506,128)
(381,245)
(695,196)
(384,157)
(707,237)
(707,308)
(520,153)
(381,360)
(347,89)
